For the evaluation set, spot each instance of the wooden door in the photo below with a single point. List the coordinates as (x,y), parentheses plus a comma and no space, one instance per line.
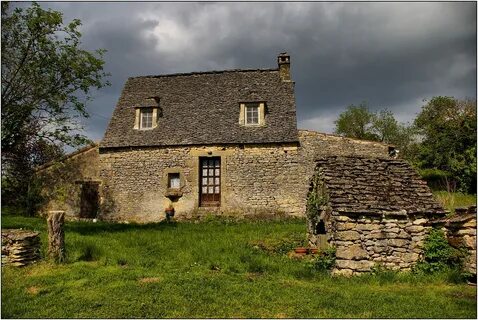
(89,200)
(210,182)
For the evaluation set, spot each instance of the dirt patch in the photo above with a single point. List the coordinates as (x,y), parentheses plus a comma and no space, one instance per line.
(33,290)
(149,280)
(281,316)
(462,295)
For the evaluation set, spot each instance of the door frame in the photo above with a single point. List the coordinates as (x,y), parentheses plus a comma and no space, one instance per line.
(215,204)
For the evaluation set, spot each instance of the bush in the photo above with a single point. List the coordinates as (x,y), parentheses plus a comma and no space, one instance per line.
(325,260)
(437,179)
(439,255)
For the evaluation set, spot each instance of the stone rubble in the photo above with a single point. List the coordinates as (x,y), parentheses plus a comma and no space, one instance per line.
(20,247)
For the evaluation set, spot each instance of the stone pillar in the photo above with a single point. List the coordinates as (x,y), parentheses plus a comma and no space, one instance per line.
(56,236)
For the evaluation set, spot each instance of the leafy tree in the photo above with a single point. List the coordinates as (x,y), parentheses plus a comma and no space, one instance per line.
(47,79)
(356,122)
(360,123)
(447,127)
(46,76)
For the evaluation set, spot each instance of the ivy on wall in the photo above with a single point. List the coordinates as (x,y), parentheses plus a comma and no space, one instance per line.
(317,199)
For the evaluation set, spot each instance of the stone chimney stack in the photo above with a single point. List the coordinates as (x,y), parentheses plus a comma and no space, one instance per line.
(283,60)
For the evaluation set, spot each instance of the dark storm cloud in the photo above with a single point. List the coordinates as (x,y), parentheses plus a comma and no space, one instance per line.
(392,55)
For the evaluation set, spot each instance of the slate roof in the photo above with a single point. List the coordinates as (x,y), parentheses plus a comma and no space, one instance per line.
(373,186)
(203,108)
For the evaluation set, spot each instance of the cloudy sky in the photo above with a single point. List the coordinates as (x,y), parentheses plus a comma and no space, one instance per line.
(391,55)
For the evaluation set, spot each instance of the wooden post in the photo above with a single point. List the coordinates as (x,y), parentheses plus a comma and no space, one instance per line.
(56,236)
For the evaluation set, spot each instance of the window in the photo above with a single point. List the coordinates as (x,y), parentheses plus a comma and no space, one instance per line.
(147,114)
(146,121)
(174,182)
(252,114)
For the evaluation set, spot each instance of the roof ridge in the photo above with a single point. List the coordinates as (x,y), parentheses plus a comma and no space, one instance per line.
(204,72)
(347,138)
(88,147)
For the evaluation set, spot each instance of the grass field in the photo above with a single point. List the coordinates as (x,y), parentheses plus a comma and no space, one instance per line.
(214,269)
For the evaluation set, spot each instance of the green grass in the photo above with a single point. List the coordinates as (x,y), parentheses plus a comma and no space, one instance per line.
(452,200)
(214,269)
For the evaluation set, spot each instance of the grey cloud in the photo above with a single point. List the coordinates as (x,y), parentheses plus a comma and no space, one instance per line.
(390,54)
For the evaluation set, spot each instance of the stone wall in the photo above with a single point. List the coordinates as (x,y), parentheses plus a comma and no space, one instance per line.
(62,180)
(363,242)
(255,178)
(260,178)
(460,230)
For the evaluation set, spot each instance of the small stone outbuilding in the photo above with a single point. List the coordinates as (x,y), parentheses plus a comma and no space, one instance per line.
(374,211)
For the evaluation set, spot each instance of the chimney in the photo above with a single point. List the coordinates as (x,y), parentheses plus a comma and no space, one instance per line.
(283,60)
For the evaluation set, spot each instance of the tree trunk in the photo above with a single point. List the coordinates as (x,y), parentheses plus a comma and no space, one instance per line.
(56,236)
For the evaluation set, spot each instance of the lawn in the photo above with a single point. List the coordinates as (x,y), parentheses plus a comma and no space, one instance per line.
(210,269)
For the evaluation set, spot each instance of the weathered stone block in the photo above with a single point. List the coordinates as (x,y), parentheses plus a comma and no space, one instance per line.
(420,221)
(367,227)
(347,235)
(470,224)
(403,235)
(354,251)
(392,230)
(361,265)
(398,242)
(380,235)
(471,232)
(342,218)
(469,242)
(415,229)
(346,226)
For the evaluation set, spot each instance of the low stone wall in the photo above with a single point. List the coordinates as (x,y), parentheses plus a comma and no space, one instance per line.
(366,241)
(20,247)
(460,230)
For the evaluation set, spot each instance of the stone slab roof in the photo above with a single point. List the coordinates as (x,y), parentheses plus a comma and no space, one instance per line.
(373,186)
(203,108)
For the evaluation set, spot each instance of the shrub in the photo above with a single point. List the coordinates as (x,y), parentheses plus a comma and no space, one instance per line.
(325,260)
(437,179)
(439,255)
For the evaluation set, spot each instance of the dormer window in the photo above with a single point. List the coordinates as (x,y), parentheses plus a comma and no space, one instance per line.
(146,121)
(147,114)
(252,114)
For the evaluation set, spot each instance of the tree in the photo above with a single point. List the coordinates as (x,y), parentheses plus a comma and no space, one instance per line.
(360,123)
(46,77)
(47,80)
(356,122)
(447,127)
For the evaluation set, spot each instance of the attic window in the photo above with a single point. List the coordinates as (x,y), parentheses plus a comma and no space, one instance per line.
(252,114)
(147,114)
(146,121)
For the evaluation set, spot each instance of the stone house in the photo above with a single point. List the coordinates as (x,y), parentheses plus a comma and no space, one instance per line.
(219,141)
(227,142)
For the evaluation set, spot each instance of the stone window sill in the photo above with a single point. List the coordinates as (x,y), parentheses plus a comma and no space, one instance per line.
(173,193)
